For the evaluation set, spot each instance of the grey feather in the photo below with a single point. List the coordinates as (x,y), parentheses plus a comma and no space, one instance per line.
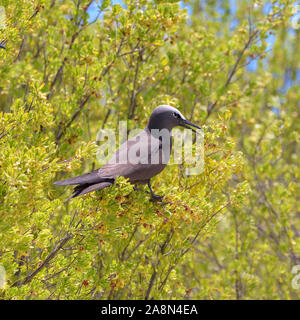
(91,177)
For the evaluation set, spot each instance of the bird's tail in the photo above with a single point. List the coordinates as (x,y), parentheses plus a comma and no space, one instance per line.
(86,188)
(3,42)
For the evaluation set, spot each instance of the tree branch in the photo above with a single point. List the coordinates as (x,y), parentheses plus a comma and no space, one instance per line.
(51,255)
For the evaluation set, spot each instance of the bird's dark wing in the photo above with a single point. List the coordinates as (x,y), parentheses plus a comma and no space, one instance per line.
(90,178)
(133,159)
(110,170)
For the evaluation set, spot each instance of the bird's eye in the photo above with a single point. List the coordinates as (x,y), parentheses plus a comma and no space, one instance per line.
(176,115)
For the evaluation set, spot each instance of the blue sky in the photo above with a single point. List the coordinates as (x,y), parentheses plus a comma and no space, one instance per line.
(93,11)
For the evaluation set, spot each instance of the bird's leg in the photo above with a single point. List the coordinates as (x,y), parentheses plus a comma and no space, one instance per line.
(154,196)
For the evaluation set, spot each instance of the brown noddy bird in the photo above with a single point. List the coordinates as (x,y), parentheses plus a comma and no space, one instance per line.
(145,155)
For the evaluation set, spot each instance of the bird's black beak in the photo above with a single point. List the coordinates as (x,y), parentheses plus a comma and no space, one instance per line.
(187,124)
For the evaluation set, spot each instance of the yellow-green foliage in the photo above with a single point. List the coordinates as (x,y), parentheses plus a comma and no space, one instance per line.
(231,232)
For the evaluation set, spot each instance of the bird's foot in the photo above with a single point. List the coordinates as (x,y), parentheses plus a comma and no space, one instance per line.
(155,197)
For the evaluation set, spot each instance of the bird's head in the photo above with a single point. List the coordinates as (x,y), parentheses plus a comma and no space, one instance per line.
(167,117)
